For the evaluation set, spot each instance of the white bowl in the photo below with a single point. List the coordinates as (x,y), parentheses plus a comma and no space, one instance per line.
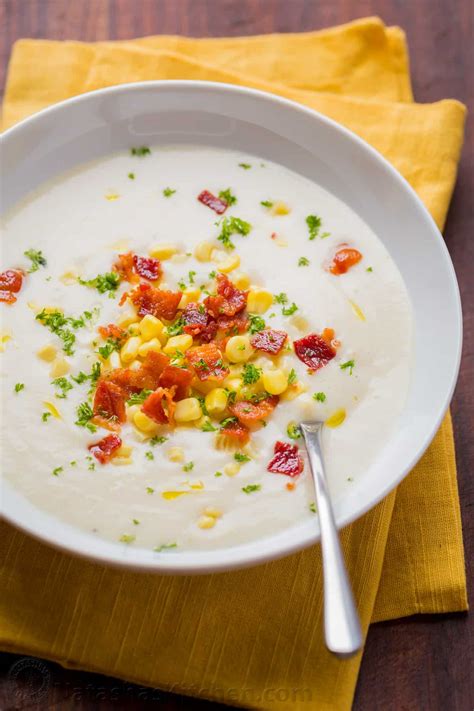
(95,124)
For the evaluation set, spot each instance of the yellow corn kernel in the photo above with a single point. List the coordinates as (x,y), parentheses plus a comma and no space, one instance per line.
(203,251)
(4,338)
(152,345)
(206,521)
(189,296)
(233,384)
(229,264)
(238,349)
(124,451)
(178,343)
(259,301)
(47,353)
(135,364)
(170,495)
(241,281)
(52,409)
(197,485)
(203,422)
(134,329)
(121,461)
(60,367)
(144,423)
(232,468)
(164,250)
(280,208)
(129,350)
(211,511)
(69,277)
(150,327)
(357,310)
(176,454)
(216,400)
(111,196)
(187,410)
(275,382)
(127,318)
(294,390)
(336,419)
(300,323)
(203,386)
(113,361)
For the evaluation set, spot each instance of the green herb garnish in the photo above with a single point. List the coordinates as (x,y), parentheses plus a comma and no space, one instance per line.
(57,471)
(312,507)
(107,282)
(369,269)
(228,421)
(140,151)
(64,386)
(138,398)
(320,397)
(251,374)
(245,166)
(188,467)
(250,488)
(348,364)
(257,323)
(218,474)
(314,225)
(292,377)
(303,262)
(231,226)
(37,259)
(157,440)
(84,415)
(45,416)
(150,490)
(57,322)
(165,547)
(19,387)
(242,458)
(149,455)
(111,345)
(293,431)
(208,426)
(131,176)
(135,521)
(289,310)
(266,203)
(126,538)
(227,196)
(281,298)
(176,328)
(168,192)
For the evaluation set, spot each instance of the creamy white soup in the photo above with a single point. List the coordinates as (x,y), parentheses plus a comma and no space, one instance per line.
(169,316)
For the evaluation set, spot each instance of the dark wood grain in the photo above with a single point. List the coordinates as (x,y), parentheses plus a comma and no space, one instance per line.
(422,663)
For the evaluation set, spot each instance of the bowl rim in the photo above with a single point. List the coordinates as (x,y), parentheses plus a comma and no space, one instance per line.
(252,553)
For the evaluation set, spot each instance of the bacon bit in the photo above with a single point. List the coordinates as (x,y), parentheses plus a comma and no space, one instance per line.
(249,413)
(124,268)
(147,267)
(154,409)
(290,486)
(344,259)
(159,303)
(145,378)
(196,319)
(273,235)
(236,431)
(11,282)
(286,460)
(112,331)
(233,324)
(109,401)
(124,297)
(209,332)
(207,362)
(269,340)
(214,305)
(215,203)
(104,449)
(328,335)
(229,300)
(314,351)
(180,378)
(110,425)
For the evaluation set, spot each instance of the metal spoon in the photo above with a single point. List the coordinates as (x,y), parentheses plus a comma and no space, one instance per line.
(341,620)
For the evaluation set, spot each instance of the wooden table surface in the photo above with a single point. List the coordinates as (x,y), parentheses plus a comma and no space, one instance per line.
(416,664)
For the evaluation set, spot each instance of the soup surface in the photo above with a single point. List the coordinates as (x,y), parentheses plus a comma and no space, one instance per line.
(171,315)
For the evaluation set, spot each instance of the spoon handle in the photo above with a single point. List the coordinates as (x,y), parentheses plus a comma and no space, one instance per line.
(341,621)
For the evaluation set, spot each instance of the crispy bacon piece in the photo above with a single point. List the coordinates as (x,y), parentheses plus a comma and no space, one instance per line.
(112,331)
(104,449)
(234,299)
(11,282)
(179,378)
(209,333)
(207,362)
(269,340)
(249,413)
(286,460)
(215,203)
(314,351)
(233,324)
(109,401)
(344,259)
(124,267)
(195,318)
(147,267)
(159,303)
(154,408)
(147,377)
(236,431)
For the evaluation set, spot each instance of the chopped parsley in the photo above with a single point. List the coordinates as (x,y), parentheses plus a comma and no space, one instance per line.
(93,376)
(231,226)
(135,521)
(314,225)
(242,458)
(250,488)
(111,345)
(84,415)
(227,195)
(64,386)
(158,440)
(228,421)
(165,547)
(312,507)
(350,478)
(289,310)
(57,322)
(212,275)
(138,398)
(37,259)
(57,471)
(257,323)
(191,276)
(231,396)
(266,203)
(208,426)
(168,192)
(45,416)
(293,431)
(218,474)
(202,402)
(150,490)
(292,377)
(320,397)
(369,269)
(188,467)
(251,374)
(303,262)
(126,538)
(107,282)
(131,176)
(19,387)
(176,328)
(245,166)
(149,455)
(348,364)
(140,151)
(281,298)
(73,463)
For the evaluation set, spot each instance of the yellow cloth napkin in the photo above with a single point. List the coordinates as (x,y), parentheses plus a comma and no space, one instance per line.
(252,637)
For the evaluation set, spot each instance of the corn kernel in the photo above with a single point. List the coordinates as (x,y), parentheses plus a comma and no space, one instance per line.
(229,264)
(241,281)
(52,409)
(203,251)
(4,338)
(259,301)
(238,349)
(124,451)
(216,400)
(336,419)
(189,296)
(203,422)
(135,364)
(176,454)
(134,329)
(357,310)
(300,323)
(275,382)
(127,318)
(129,350)
(47,353)
(203,386)
(144,423)
(152,345)
(111,196)
(178,343)
(60,367)
(121,461)
(69,277)
(187,410)
(170,495)
(294,390)
(211,511)
(280,208)
(150,327)
(197,485)
(164,250)
(232,468)
(233,384)
(113,361)
(206,522)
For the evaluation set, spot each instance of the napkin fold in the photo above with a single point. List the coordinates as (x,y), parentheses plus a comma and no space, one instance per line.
(253,637)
